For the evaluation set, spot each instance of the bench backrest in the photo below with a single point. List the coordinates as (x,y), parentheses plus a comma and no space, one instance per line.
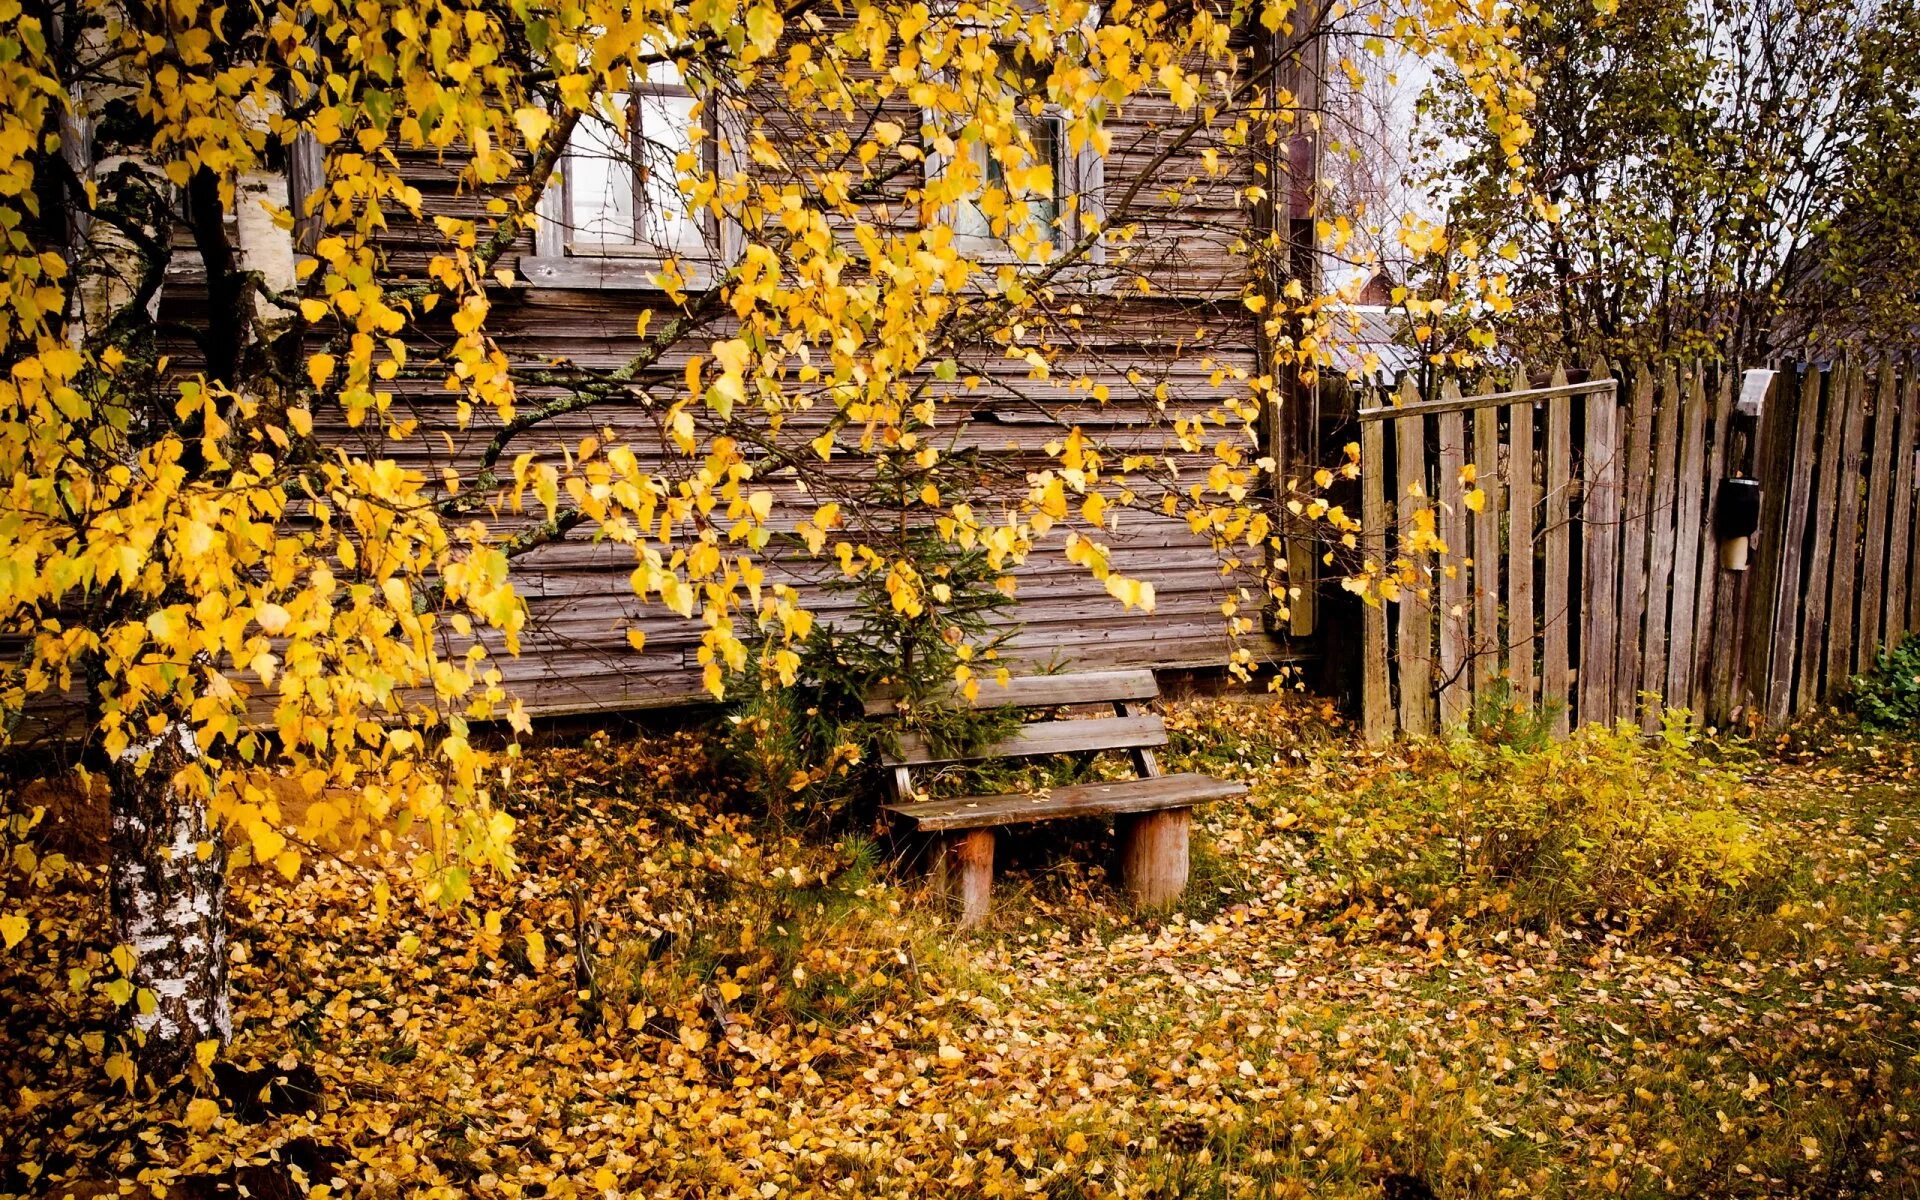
(1130,729)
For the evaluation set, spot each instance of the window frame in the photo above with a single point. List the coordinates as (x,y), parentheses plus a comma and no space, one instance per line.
(1079,191)
(559,260)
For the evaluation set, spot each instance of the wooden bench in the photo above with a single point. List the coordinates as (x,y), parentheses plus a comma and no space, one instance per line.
(1152,812)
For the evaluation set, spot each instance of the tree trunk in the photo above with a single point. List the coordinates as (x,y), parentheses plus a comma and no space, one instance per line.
(169,893)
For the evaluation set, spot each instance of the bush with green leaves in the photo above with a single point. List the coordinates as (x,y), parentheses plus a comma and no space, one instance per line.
(1607,828)
(1887,697)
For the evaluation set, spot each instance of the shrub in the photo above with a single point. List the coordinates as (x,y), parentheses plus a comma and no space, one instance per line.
(1607,826)
(1888,695)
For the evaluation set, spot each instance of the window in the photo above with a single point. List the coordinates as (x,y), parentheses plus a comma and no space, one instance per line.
(617,211)
(1048,137)
(1074,206)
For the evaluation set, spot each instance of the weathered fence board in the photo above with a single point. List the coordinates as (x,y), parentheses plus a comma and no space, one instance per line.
(1873,554)
(1557,618)
(1796,486)
(1633,532)
(1488,644)
(1376,694)
(1666,449)
(1676,689)
(1844,564)
(1416,618)
(1901,556)
(1600,535)
(1521,622)
(1454,688)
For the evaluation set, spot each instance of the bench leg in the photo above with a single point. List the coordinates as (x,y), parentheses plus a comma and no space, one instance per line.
(963,874)
(1153,856)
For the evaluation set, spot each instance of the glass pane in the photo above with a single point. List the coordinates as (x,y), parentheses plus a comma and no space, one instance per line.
(1048,145)
(600,184)
(968,218)
(663,132)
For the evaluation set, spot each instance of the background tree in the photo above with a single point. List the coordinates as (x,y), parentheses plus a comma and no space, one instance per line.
(228,573)
(1704,175)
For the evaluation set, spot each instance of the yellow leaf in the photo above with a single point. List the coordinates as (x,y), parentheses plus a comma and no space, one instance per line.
(537,950)
(320,369)
(287,862)
(1475,500)
(693,1039)
(272,617)
(729,990)
(201,1114)
(204,1052)
(1076,1142)
(13,927)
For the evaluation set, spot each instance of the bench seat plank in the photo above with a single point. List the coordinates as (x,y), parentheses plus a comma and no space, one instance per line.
(1044,737)
(1079,800)
(1040,691)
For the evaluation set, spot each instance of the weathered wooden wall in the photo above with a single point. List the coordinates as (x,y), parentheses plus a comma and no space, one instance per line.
(1590,580)
(1163,329)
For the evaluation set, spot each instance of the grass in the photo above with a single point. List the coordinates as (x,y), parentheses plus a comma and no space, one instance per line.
(1282,1034)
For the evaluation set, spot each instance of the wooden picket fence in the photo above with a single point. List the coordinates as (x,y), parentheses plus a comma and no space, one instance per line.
(1590,581)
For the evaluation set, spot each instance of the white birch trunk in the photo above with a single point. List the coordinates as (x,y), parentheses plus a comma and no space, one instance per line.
(169,891)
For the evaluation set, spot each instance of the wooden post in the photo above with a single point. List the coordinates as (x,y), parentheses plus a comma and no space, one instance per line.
(964,875)
(1666,448)
(1376,695)
(1554,684)
(1153,856)
(1455,694)
(1520,526)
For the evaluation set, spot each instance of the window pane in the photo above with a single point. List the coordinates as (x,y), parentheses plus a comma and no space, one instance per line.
(968,219)
(663,132)
(1047,145)
(600,184)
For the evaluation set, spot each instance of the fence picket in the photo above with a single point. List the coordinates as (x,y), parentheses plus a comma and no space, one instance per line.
(1634,565)
(1873,553)
(1811,684)
(1844,563)
(1487,644)
(1660,537)
(1520,546)
(1416,615)
(1689,484)
(1796,486)
(1454,689)
(1376,693)
(1707,619)
(1600,547)
(1555,686)
(1901,522)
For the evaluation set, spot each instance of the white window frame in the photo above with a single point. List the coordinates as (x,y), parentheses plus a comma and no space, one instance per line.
(1079,185)
(560,260)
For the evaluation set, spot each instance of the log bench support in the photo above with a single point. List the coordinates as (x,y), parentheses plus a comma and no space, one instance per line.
(1153,814)
(1153,855)
(963,875)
